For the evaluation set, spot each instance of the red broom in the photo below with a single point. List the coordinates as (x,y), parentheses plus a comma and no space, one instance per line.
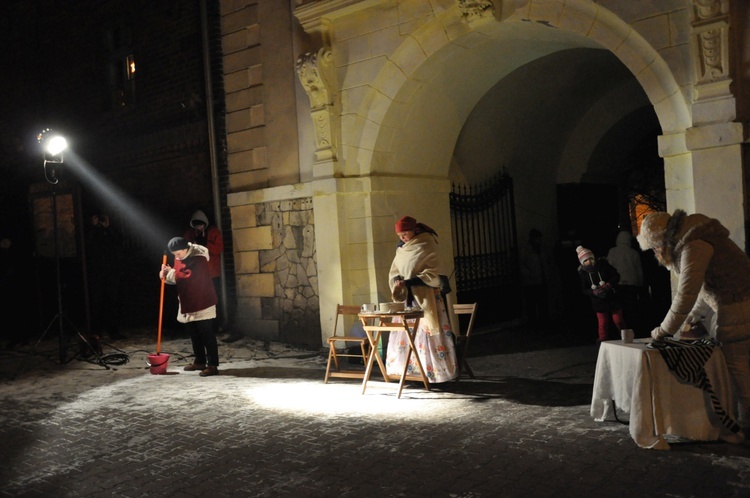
(161,308)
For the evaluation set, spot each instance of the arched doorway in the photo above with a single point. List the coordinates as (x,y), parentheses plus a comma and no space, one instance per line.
(541,103)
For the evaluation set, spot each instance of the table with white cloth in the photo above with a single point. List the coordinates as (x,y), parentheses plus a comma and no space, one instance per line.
(635,379)
(377,323)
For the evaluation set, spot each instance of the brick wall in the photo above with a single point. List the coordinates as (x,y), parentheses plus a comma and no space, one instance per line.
(147,162)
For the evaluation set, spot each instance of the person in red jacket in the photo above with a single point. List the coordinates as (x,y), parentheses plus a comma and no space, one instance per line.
(197,301)
(203,233)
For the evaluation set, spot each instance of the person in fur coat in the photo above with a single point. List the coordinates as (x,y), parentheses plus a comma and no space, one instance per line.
(713,272)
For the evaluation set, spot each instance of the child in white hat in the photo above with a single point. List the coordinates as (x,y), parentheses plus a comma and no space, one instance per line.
(598,281)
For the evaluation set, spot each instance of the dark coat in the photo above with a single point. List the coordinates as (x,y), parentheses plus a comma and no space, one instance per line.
(606,300)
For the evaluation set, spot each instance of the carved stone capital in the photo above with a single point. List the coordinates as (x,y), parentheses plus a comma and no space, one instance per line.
(313,70)
(316,73)
(707,9)
(473,10)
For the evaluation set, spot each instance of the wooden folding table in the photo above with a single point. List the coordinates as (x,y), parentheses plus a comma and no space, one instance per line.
(375,323)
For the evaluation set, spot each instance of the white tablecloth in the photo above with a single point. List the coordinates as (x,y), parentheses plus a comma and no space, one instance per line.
(659,403)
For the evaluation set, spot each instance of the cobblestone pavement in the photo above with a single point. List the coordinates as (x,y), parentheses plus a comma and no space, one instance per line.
(269,426)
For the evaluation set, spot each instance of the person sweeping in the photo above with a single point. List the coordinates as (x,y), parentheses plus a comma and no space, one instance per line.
(197,301)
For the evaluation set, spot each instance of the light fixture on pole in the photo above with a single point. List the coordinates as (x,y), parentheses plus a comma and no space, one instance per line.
(53,146)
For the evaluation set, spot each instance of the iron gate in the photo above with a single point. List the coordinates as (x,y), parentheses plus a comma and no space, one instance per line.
(485,244)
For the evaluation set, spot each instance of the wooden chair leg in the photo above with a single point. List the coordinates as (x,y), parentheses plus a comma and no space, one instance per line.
(331,356)
(363,348)
(468,370)
(334,367)
(464,362)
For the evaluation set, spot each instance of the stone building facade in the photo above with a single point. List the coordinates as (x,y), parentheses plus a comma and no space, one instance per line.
(353,113)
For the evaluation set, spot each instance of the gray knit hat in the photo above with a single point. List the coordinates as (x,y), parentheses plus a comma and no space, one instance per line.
(177,244)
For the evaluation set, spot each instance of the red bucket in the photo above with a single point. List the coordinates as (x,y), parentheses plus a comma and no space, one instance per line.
(158,363)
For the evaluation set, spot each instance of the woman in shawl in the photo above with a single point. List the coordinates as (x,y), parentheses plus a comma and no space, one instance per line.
(416,277)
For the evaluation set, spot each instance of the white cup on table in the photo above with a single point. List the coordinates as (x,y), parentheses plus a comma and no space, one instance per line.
(627,335)
(369,308)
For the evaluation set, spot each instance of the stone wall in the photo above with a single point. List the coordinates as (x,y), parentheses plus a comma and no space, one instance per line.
(278,276)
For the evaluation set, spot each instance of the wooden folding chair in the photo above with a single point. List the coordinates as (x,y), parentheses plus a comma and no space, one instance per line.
(463,337)
(334,355)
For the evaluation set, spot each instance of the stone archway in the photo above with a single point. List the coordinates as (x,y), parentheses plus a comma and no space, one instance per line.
(414,109)
(426,60)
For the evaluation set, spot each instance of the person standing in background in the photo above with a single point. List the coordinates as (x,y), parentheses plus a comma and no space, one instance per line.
(535,274)
(627,261)
(104,270)
(201,232)
(15,288)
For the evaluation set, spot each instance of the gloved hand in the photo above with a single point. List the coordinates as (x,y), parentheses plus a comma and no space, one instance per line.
(603,290)
(658,333)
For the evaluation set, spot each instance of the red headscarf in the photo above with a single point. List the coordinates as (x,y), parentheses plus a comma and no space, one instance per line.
(406,224)
(409,224)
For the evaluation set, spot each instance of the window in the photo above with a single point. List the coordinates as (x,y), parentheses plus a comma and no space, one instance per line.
(120,66)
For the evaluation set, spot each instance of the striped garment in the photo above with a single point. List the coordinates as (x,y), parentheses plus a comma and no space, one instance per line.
(687,360)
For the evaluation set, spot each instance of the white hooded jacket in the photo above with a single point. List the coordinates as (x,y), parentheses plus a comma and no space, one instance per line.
(626,260)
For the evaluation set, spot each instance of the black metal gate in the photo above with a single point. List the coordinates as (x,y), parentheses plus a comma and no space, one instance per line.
(485,246)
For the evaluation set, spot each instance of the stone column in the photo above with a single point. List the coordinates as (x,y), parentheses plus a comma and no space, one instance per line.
(715,138)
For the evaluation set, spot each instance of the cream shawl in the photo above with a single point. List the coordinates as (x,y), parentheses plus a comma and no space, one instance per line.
(419,258)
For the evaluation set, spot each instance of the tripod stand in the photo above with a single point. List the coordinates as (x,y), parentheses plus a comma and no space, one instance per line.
(60,317)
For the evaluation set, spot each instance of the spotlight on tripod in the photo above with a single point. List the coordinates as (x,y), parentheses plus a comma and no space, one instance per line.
(53,146)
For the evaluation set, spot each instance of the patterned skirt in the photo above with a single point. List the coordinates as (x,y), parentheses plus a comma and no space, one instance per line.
(436,352)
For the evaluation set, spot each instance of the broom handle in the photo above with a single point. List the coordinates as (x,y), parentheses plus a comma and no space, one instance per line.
(161,308)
